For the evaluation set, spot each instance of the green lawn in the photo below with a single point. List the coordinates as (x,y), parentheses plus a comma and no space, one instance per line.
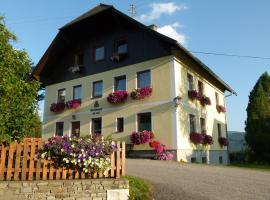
(252,166)
(139,189)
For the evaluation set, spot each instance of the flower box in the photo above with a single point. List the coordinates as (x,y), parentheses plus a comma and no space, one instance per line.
(196,138)
(205,100)
(193,94)
(141,93)
(223,141)
(117,97)
(73,104)
(207,139)
(57,107)
(221,108)
(141,137)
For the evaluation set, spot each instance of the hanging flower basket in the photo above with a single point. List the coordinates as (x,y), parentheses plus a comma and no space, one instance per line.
(223,141)
(73,104)
(141,93)
(117,97)
(221,108)
(57,107)
(193,94)
(205,100)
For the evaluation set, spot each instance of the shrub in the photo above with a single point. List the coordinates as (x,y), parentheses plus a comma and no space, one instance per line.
(117,97)
(85,154)
(141,93)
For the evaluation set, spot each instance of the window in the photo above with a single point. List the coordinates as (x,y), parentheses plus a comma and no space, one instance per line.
(99,53)
(61,97)
(193,160)
(202,123)
(217,98)
(190,82)
(192,123)
(79,59)
(144,122)
(77,92)
(97,89)
(220,158)
(121,47)
(120,83)
(204,159)
(120,124)
(143,79)
(75,129)
(59,128)
(200,88)
(96,126)
(219,130)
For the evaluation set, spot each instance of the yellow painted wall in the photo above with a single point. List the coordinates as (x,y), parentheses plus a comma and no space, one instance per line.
(159,103)
(209,112)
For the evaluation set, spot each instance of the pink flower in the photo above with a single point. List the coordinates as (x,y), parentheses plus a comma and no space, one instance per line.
(221,108)
(223,141)
(57,107)
(141,93)
(73,104)
(117,97)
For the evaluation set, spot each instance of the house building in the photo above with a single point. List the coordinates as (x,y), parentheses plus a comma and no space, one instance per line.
(104,51)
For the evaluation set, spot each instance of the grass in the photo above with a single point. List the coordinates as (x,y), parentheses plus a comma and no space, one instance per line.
(139,189)
(252,166)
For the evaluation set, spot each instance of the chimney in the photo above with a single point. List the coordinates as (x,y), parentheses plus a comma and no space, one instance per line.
(153,27)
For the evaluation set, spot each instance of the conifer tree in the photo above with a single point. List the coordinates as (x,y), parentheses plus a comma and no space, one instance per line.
(258,119)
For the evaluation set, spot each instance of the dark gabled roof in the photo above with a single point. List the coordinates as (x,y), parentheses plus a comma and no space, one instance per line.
(103,7)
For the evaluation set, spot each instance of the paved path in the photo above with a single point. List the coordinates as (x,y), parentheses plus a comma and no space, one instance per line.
(175,181)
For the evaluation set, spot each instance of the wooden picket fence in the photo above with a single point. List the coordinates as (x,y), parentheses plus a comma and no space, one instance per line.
(19,161)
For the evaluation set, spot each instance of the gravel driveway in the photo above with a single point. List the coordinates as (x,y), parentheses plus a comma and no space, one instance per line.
(172,180)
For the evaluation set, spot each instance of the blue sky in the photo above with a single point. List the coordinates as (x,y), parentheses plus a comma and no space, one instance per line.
(232,27)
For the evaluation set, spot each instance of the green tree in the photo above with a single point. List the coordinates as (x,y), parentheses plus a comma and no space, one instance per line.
(18,91)
(258,119)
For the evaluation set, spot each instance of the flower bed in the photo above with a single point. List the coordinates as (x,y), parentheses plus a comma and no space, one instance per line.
(205,100)
(221,108)
(223,141)
(73,104)
(141,93)
(141,137)
(117,97)
(85,154)
(57,107)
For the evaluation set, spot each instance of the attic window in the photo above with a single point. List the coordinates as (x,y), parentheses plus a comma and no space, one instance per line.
(121,46)
(79,59)
(99,53)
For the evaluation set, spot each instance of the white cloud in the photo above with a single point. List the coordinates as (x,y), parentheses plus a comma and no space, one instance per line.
(158,9)
(170,31)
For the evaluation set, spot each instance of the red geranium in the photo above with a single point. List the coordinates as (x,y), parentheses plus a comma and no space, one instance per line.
(117,97)
(141,93)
